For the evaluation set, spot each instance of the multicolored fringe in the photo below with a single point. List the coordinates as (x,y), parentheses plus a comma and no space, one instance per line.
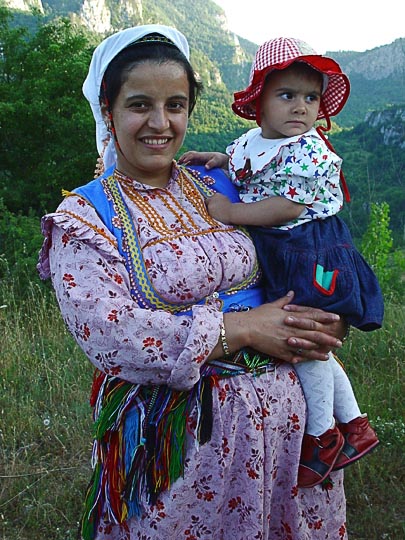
(140,438)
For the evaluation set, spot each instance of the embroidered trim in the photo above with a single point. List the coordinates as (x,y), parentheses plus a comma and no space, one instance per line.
(172,237)
(189,190)
(203,185)
(89,224)
(189,226)
(192,186)
(141,289)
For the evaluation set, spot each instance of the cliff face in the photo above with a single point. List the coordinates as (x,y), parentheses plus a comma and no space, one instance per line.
(391,125)
(375,64)
(98,16)
(24,5)
(218,54)
(95,15)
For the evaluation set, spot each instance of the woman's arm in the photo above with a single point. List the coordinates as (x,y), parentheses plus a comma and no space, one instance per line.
(118,336)
(146,346)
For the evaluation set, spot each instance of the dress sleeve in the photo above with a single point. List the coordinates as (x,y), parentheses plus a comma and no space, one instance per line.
(304,167)
(119,337)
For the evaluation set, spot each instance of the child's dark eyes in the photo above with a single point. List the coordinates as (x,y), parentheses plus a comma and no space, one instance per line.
(289,96)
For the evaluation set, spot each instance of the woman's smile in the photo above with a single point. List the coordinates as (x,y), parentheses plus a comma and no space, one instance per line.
(153,141)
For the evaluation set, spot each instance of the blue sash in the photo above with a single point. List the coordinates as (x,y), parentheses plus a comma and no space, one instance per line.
(244,296)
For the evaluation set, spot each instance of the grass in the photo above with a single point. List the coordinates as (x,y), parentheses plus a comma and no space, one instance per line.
(45,420)
(374,485)
(45,423)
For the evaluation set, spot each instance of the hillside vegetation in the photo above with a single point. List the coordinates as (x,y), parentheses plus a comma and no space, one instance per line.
(44,116)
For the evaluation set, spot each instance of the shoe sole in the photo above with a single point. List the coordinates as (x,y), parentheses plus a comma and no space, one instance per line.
(356,457)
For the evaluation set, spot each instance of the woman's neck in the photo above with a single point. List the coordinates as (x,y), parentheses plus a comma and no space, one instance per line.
(160,179)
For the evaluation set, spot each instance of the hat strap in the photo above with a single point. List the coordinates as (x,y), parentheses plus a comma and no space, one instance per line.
(320,129)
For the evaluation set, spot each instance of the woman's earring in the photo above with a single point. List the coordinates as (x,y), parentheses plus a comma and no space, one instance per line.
(99,170)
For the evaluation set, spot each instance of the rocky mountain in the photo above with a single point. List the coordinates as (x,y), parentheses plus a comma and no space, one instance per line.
(24,5)
(375,64)
(223,58)
(377,80)
(369,132)
(391,125)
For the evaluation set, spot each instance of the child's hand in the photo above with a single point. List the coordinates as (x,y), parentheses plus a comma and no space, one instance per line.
(209,159)
(219,207)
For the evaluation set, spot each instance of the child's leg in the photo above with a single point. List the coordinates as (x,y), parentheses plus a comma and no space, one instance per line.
(317,382)
(359,436)
(322,441)
(345,405)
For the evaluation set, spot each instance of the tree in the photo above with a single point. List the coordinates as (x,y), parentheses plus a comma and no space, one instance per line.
(46,127)
(377,243)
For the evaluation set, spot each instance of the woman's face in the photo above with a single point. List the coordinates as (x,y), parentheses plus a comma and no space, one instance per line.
(150,118)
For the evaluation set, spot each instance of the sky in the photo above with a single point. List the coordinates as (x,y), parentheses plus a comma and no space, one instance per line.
(342,25)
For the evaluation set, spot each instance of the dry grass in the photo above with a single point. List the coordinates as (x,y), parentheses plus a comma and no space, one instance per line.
(45,421)
(374,486)
(45,429)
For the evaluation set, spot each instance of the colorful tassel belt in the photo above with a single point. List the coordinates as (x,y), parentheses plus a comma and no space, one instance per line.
(245,361)
(140,435)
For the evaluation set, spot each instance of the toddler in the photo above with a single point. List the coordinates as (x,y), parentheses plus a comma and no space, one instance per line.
(291,190)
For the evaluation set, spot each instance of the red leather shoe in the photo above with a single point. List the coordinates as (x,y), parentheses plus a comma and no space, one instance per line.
(360,438)
(318,456)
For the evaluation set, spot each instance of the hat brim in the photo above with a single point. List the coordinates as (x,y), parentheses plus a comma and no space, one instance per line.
(333,99)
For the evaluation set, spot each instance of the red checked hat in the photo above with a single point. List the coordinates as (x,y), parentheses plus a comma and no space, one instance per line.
(279,53)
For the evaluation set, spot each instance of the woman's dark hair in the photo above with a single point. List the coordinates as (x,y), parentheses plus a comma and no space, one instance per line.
(137,53)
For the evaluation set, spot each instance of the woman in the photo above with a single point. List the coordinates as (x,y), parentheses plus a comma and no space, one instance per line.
(198,432)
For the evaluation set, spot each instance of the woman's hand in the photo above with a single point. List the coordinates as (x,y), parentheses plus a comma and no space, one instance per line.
(288,332)
(320,325)
(210,160)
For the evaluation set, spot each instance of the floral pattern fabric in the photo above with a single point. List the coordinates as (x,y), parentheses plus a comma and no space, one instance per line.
(240,485)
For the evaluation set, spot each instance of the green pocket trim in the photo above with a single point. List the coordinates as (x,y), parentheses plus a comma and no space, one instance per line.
(325,280)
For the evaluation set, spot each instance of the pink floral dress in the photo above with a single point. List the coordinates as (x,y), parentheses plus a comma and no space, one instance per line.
(242,483)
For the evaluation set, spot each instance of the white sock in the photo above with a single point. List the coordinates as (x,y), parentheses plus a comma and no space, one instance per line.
(316,379)
(345,404)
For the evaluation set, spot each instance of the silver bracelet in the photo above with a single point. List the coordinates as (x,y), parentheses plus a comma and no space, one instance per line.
(347,334)
(224,342)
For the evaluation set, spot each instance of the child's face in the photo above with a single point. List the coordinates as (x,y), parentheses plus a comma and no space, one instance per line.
(290,101)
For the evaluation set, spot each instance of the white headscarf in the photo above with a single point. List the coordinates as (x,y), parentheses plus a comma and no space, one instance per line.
(102,56)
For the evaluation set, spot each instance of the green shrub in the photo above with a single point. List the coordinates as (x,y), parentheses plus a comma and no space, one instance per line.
(20,241)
